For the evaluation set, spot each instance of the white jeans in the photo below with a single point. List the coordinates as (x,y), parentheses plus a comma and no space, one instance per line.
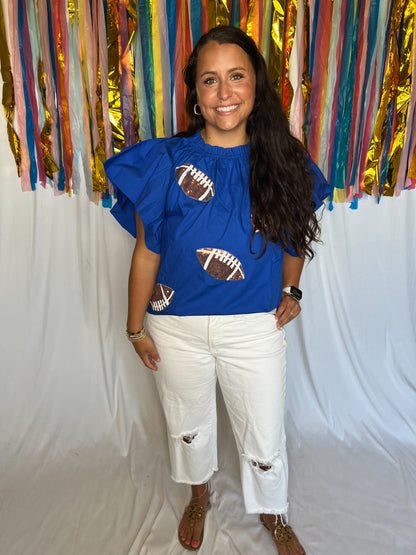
(247,354)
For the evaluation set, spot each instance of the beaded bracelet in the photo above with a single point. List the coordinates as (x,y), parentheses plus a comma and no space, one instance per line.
(136,336)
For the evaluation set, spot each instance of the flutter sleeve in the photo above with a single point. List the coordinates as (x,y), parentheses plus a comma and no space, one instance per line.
(322,188)
(140,176)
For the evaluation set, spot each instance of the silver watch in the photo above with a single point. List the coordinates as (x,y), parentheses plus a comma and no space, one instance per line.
(293,292)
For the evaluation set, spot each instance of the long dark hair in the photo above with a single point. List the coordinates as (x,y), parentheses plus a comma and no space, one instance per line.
(280,184)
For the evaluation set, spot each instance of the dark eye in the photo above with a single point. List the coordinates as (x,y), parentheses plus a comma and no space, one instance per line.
(237,76)
(209,81)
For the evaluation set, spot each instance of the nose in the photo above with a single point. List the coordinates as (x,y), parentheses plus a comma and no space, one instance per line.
(224,91)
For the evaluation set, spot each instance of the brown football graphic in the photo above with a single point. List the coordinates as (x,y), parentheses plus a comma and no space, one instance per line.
(220,264)
(161,297)
(194,183)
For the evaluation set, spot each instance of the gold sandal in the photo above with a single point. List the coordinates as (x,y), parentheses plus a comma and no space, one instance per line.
(194,513)
(282,533)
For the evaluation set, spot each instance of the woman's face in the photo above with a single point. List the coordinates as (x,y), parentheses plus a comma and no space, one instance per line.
(226,89)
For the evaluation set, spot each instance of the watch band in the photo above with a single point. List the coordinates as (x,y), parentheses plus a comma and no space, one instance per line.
(293,292)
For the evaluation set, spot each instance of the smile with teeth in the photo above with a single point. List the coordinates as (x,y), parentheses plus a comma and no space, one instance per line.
(226,108)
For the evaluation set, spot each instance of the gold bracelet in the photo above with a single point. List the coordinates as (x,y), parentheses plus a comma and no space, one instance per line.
(136,336)
(134,332)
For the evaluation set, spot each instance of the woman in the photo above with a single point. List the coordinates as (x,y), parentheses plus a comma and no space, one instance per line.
(223,217)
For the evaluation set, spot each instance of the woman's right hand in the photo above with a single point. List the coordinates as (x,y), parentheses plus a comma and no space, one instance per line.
(147,352)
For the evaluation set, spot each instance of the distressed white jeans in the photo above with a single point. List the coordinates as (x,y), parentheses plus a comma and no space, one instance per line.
(247,354)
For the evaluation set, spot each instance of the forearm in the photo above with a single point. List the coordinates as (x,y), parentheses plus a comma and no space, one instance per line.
(292,270)
(142,278)
(289,307)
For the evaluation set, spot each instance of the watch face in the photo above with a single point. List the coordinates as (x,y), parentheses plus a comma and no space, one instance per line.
(295,292)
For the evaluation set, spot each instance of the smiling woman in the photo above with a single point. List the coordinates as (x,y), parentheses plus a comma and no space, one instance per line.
(223,216)
(226,90)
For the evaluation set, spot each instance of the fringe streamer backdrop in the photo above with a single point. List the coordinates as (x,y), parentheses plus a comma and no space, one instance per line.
(85,78)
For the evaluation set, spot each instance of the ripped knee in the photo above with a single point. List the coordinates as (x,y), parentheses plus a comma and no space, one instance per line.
(188,438)
(274,463)
(263,466)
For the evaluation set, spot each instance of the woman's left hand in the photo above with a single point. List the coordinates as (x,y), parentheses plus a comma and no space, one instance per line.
(287,310)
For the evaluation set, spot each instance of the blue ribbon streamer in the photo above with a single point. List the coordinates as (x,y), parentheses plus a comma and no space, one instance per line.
(196,20)
(338,173)
(235,13)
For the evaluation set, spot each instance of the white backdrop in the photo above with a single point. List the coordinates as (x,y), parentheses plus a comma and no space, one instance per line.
(83,463)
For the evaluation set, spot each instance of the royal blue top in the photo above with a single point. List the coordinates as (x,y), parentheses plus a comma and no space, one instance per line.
(194,202)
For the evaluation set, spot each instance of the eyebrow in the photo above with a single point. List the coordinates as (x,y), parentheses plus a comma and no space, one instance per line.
(229,71)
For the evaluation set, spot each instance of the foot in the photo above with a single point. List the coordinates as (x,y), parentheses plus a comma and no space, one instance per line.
(190,530)
(283,536)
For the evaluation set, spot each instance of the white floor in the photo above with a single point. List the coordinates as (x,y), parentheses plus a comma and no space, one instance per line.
(97,501)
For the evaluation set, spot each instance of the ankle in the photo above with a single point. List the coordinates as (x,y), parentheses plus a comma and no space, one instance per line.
(272,520)
(200,492)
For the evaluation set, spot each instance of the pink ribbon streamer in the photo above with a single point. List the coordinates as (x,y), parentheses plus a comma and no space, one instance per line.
(297,110)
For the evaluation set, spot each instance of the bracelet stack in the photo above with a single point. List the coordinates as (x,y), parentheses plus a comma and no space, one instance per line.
(136,336)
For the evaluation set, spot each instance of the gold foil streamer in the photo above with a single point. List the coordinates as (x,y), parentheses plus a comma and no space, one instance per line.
(8,94)
(412,168)
(132,17)
(281,50)
(212,13)
(390,87)
(99,182)
(276,45)
(252,12)
(45,135)
(114,100)
(222,12)
(73,11)
(403,98)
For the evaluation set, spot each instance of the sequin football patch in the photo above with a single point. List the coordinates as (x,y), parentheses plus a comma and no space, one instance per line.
(161,297)
(220,264)
(194,183)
